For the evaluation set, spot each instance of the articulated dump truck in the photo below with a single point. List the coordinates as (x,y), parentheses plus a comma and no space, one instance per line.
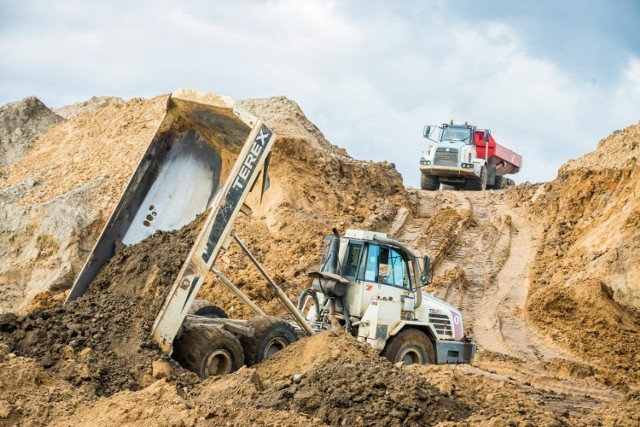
(206,156)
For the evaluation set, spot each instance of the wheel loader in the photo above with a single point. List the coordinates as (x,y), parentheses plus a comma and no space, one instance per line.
(205,158)
(370,285)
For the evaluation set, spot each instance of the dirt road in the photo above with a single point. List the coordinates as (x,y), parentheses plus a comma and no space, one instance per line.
(482,246)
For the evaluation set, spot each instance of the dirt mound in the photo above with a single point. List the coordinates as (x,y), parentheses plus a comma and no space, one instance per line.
(89,106)
(29,396)
(20,123)
(585,288)
(57,198)
(341,381)
(102,340)
(620,150)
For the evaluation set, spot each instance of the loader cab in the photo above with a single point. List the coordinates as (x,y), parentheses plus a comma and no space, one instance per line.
(373,269)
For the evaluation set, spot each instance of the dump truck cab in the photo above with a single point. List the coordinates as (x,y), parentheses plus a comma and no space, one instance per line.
(372,286)
(465,157)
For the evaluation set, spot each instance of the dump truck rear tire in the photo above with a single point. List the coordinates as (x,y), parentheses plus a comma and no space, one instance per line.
(499,183)
(204,308)
(271,335)
(208,351)
(429,182)
(410,346)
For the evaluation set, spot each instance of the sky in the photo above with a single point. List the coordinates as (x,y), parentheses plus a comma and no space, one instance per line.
(550,79)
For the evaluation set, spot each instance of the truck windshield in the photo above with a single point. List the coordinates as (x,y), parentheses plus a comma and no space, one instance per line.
(455,134)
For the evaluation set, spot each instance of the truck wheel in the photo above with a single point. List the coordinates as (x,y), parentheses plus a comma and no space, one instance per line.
(410,346)
(478,184)
(271,335)
(499,183)
(510,183)
(208,351)
(429,182)
(204,308)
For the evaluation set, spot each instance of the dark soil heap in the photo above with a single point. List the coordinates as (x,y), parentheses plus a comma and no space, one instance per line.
(364,392)
(102,340)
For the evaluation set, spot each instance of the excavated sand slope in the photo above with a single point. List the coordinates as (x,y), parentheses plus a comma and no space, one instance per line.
(549,295)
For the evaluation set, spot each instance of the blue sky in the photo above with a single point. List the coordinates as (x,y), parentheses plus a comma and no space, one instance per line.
(550,79)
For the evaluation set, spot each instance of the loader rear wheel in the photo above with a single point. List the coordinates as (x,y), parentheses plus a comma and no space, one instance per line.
(208,351)
(204,308)
(271,335)
(429,182)
(410,346)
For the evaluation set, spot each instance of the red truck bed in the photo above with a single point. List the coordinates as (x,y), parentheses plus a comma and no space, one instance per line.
(506,160)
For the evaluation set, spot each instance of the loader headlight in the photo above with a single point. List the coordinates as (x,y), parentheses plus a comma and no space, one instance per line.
(467,165)
(425,162)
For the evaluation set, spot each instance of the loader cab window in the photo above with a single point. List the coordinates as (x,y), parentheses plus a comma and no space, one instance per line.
(352,261)
(386,265)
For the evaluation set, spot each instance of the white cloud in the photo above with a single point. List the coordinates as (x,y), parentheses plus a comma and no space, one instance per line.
(369,77)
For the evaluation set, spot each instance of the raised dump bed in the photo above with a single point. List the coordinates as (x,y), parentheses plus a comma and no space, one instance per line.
(507,161)
(206,155)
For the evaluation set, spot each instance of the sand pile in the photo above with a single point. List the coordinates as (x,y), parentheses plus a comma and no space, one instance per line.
(20,123)
(586,276)
(56,199)
(89,106)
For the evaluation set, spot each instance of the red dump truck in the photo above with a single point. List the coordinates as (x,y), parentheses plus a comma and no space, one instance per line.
(466,157)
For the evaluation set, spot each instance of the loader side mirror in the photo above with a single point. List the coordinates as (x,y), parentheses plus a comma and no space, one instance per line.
(424,278)
(427,131)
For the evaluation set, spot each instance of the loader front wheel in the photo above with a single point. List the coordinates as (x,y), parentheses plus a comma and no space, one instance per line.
(429,182)
(208,351)
(271,335)
(410,346)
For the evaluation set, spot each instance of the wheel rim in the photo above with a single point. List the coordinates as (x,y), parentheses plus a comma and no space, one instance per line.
(218,363)
(410,356)
(274,346)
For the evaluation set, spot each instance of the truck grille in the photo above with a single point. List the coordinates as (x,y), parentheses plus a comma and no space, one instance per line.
(441,324)
(446,157)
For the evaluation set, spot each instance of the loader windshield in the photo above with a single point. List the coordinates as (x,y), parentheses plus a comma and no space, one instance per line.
(455,134)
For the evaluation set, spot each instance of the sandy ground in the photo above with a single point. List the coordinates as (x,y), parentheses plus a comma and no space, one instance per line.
(547,290)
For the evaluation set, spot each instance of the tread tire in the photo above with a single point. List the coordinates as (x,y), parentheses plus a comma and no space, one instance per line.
(499,183)
(201,348)
(271,335)
(204,308)
(478,184)
(410,346)
(429,182)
